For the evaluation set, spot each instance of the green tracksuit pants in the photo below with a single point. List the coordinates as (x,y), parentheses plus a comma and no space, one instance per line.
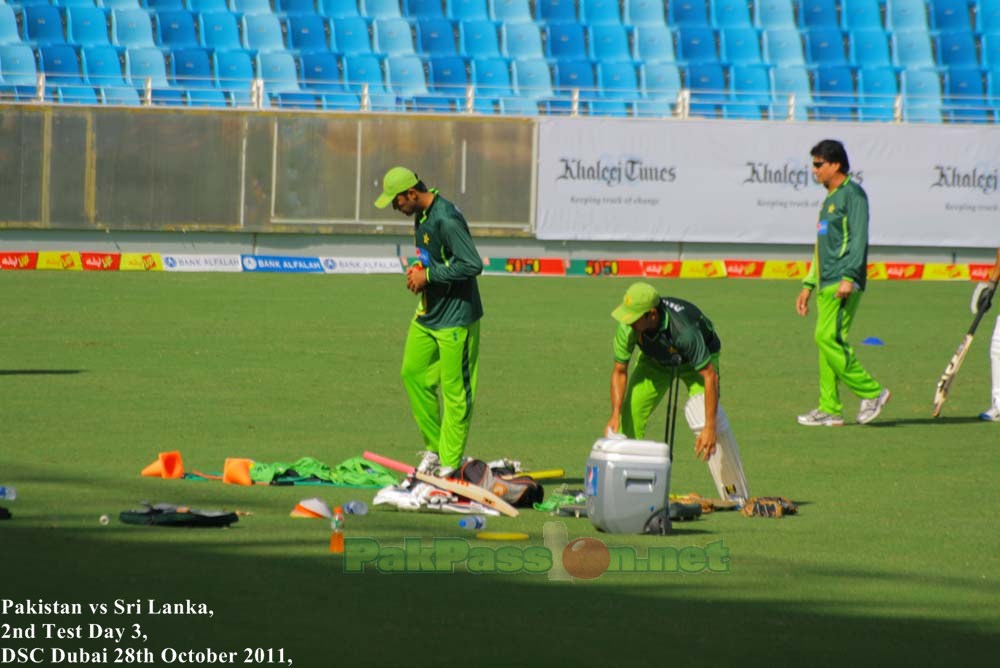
(445,360)
(837,362)
(647,385)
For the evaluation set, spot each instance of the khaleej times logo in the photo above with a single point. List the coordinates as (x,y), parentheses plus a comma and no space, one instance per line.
(559,558)
(615,173)
(952,177)
(792,174)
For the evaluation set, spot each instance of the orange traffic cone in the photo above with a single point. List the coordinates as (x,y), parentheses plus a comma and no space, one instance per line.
(237,472)
(167,465)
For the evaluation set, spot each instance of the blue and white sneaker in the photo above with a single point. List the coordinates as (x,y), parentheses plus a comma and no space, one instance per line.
(870,408)
(992,415)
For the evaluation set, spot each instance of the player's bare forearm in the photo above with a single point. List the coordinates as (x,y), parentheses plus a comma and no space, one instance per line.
(619,381)
(802,302)
(705,442)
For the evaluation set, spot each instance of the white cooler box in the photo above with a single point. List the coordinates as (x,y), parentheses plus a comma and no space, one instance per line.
(626,483)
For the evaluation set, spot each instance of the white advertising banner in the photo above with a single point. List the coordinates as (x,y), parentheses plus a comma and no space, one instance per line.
(751,182)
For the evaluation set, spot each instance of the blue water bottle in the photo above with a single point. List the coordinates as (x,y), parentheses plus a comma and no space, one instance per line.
(7,493)
(355,508)
(474,522)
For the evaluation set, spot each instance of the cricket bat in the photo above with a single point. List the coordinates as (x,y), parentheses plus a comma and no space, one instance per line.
(459,487)
(941,392)
(547,474)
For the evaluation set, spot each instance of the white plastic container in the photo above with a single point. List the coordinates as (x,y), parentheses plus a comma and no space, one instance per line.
(626,483)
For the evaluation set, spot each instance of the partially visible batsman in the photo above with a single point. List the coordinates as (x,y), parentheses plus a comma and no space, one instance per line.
(442,344)
(665,330)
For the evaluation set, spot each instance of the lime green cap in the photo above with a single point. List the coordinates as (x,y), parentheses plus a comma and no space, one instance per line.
(395,181)
(639,299)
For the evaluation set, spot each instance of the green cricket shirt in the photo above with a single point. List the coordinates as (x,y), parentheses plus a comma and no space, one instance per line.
(684,330)
(444,245)
(841,238)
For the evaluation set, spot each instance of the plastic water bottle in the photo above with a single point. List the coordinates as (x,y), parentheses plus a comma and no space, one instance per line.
(356,508)
(473,522)
(337,531)
(7,493)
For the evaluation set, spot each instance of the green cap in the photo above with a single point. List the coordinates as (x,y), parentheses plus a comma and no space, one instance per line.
(640,298)
(395,181)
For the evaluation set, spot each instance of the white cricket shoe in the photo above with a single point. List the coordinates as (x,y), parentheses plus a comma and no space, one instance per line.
(992,415)
(818,418)
(429,462)
(870,408)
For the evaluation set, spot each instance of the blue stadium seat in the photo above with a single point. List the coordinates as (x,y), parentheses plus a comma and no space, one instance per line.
(518,106)
(467,10)
(381,9)
(350,34)
(555,11)
(307,33)
(131,28)
(279,73)
(321,73)
(423,9)
(964,96)
(249,7)
(599,12)
(404,76)
(118,4)
(950,15)
(707,83)
(988,17)
(81,94)
(921,91)
(618,81)
(234,70)
(749,92)
(818,14)
(688,13)
(877,91)
(609,43)
(565,41)
(43,25)
(192,68)
(697,45)
(532,78)
(144,64)
(176,29)
(654,44)
(861,15)
(521,40)
(643,13)
(730,14)
(436,37)
(991,51)
(101,66)
(61,66)
(74,3)
(834,93)
(775,15)
(510,11)
(573,75)
(219,31)
(491,78)
(993,90)
(788,81)
(478,39)
(262,32)
(124,96)
(86,26)
(364,69)
(339,9)
(826,46)
(912,50)
(659,85)
(869,48)
(392,37)
(905,15)
(447,75)
(957,48)
(163,5)
(783,47)
(208,5)
(295,7)
(739,46)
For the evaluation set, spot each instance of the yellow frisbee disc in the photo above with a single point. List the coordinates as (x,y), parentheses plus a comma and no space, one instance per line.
(502,535)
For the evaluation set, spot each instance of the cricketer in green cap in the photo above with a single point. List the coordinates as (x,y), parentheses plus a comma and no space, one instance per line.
(395,182)
(639,300)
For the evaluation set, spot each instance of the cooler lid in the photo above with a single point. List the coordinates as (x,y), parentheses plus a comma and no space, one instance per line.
(627,446)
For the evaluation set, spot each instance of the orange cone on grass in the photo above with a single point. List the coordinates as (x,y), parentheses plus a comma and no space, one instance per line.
(237,472)
(167,465)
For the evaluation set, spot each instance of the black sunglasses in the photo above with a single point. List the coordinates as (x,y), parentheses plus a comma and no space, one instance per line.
(819,163)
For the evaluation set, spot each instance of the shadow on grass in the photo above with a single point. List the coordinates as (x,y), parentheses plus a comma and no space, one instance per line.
(321,616)
(926,421)
(40,372)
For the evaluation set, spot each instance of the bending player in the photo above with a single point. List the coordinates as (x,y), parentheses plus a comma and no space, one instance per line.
(982,299)
(662,328)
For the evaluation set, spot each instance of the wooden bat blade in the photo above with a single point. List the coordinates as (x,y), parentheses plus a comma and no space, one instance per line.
(944,384)
(462,488)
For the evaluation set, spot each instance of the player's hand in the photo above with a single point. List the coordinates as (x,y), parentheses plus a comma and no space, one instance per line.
(614,424)
(982,297)
(802,303)
(416,278)
(704,445)
(844,289)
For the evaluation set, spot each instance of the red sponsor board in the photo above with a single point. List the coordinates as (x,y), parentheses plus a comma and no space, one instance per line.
(542,266)
(980,272)
(744,268)
(613,268)
(655,269)
(904,271)
(100,261)
(17,261)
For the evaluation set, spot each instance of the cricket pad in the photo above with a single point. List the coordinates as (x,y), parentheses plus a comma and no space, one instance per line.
(518,491)
(170,515)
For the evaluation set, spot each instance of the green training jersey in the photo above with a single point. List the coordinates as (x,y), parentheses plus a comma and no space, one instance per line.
(684,330)
(445,248)
(841,238)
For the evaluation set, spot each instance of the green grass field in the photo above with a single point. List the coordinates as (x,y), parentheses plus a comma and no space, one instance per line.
(892,559)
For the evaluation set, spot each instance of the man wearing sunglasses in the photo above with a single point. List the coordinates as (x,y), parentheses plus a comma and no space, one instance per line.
(442,344)
(838,274)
